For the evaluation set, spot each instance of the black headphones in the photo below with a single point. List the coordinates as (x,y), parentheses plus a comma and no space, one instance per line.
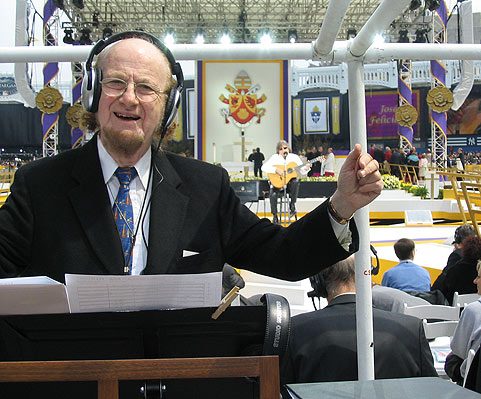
(92,88)
(318,283)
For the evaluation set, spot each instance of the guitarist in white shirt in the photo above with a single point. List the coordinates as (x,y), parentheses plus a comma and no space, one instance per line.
(279,167)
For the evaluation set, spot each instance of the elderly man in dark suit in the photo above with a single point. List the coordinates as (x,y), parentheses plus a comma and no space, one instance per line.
(322,345)
(176,215)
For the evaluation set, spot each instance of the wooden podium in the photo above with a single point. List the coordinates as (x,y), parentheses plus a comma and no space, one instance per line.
(107,373)
(63,355)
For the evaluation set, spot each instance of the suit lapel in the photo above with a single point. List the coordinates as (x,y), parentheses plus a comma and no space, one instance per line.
(167,214)
(91,204)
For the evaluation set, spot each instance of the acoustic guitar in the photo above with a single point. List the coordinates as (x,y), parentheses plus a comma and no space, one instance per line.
(290,172)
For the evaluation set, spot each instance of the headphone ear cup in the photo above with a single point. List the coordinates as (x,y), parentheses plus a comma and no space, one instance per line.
(318,285)
(91,89)
(171,107)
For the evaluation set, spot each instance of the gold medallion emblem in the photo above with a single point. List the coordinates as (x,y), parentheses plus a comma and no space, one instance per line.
(49,100)
(406,115)
(74,114)
(440,99)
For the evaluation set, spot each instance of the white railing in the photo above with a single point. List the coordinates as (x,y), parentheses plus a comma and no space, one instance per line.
(377,75)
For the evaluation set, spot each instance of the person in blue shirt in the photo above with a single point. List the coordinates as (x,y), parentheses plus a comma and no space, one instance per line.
(406,275)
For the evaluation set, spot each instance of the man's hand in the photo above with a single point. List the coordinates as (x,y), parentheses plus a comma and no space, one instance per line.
(358,184)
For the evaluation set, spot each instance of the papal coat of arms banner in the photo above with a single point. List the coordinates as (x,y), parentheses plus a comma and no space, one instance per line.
(243,105)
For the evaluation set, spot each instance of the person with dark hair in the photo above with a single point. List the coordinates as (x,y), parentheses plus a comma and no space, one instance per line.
(396,159)
(257,157)
(312,153)
(378,154)
(459,278)
(462,232)
(406,275)
(323,344)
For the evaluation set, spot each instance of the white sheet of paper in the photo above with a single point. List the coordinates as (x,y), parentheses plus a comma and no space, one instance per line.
(28,280)
(32,297)
(99,293)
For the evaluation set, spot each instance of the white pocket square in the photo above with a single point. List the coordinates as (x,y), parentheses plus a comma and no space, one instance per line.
(186,253)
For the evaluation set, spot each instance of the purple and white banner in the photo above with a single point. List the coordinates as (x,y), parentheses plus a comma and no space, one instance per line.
(380,114)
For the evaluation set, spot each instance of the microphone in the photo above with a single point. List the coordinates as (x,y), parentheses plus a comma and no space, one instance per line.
(285,154)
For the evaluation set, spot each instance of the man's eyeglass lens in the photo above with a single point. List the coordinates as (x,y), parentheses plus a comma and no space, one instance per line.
(143,91)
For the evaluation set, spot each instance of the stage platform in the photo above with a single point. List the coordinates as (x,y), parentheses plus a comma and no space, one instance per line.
(390,205)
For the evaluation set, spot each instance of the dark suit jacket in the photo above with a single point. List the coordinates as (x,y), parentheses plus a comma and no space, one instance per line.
(322,345)
(453,258)
(58,219)
(460,278)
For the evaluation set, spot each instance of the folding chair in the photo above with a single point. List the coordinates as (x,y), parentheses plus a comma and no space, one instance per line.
(445,328)
(461,300)
(439,328)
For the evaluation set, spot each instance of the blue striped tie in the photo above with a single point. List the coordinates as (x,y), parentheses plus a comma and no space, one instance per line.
(124,215)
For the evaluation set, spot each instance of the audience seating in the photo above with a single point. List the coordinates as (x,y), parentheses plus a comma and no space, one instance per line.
(440,328)
(461,300)
(434,312)
(446,319)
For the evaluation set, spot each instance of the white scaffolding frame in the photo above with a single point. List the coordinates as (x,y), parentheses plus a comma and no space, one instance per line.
(439,138)
(405,73)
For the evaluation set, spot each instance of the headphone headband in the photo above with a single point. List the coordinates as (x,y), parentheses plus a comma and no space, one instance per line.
(92,88)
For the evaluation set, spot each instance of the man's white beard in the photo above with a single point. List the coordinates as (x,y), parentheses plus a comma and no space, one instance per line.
(122,142)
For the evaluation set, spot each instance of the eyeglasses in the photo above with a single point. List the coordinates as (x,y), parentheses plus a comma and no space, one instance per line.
(114,87)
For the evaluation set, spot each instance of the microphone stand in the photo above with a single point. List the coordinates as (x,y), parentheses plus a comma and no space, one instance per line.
(285,218)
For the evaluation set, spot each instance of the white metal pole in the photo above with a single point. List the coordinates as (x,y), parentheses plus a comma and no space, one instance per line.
(330,26)
(357,125)
(297,51)
(377,22)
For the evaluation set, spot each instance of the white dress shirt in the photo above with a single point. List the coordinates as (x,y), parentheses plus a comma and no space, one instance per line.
(341,231)
(278,160)
(138,196)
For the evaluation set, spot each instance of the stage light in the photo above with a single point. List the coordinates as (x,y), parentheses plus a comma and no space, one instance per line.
(85,37)
(415,4)
(68,38)
(265,37)
(351,34)
(107,32)
(169,37)
(379,39)
(421,36)
(403,36)
(292,35)
(225,37)
(200,36)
